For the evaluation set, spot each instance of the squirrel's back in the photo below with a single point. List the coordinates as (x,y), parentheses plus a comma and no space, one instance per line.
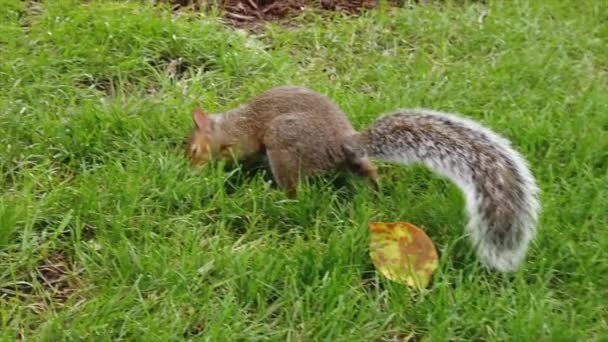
(319,112)
(296,119)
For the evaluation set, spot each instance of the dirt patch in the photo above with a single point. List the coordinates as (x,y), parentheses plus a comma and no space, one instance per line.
(105,85)
(58,277)
(250,11)
(54,281)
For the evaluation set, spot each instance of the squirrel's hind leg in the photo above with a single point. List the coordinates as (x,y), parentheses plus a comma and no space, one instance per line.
(285,169)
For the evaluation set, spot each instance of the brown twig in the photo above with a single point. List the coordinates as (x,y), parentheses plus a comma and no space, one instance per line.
(237,16)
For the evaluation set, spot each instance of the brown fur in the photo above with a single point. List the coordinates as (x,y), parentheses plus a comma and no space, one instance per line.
(275,123)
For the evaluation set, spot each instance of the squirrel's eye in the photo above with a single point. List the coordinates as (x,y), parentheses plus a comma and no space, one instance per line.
(193,149)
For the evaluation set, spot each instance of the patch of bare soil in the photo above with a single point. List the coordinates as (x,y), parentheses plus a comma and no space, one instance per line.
(251,11)
(58,279)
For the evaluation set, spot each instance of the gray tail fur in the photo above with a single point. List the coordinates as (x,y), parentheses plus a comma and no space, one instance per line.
(500,191)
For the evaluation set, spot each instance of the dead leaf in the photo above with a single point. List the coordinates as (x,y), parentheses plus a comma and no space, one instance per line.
(403,253)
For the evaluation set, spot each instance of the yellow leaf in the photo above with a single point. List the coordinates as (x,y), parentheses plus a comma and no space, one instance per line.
(403,253)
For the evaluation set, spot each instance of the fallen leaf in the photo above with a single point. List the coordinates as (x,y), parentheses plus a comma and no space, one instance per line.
(403,253)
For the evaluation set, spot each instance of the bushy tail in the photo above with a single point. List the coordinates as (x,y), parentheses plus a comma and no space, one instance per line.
(501,193)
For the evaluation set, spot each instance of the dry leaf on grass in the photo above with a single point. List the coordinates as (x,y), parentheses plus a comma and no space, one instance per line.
(403,253)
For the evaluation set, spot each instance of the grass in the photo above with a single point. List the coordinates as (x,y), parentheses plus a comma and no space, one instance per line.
(107,234)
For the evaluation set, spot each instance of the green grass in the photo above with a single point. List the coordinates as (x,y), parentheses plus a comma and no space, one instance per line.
(93,180)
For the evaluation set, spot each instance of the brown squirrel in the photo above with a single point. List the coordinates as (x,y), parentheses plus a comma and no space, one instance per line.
(303,133)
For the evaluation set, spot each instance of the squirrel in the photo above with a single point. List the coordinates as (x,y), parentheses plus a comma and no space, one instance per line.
(303,132)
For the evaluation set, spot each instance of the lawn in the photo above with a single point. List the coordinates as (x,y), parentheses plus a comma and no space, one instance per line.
(107,233)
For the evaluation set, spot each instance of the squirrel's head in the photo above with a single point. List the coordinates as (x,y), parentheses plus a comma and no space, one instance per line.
(204,143)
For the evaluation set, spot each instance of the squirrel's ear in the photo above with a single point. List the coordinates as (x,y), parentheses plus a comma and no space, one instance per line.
(201,120)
